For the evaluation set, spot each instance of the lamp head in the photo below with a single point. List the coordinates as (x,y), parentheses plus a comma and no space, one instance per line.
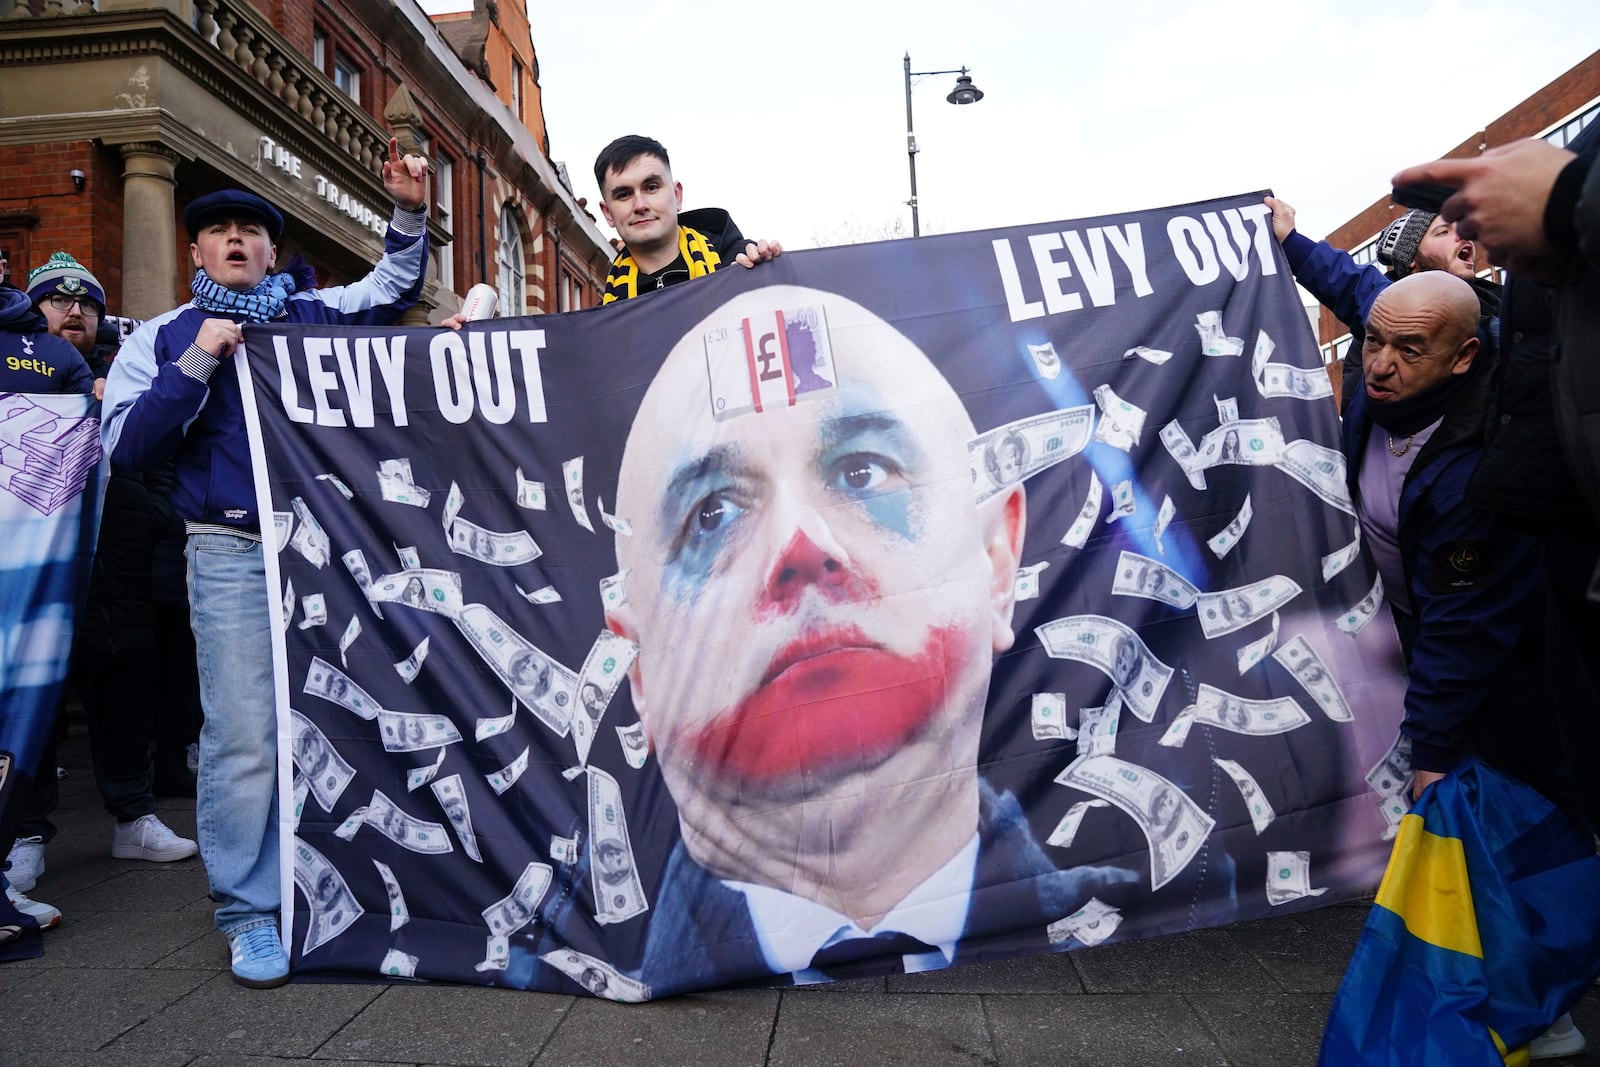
(965,92)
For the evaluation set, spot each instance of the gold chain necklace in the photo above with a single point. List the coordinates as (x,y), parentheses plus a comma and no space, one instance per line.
(1398,452)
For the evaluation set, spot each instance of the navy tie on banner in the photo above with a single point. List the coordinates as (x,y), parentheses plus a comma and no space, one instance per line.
(999,589)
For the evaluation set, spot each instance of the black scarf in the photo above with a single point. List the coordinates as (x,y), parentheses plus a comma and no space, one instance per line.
(1411,414)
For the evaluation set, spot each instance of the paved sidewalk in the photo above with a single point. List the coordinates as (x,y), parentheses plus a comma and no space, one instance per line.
(137,976)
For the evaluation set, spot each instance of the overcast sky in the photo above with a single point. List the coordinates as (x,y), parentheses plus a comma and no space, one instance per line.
(793,117)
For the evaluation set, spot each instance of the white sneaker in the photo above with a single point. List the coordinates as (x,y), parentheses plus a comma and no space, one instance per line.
(46,916)
(25,863)
(1562,1039)
(148,838)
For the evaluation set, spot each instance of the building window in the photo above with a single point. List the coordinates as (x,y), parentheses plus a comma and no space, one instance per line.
(319,49)
(1564,134)
(509,263)
(347,76)
(444,195)
(516,89)
(1366,253)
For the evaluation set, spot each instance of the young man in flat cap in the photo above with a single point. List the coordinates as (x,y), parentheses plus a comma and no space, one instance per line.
(173,392)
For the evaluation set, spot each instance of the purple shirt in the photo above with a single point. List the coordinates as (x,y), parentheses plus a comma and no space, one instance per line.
(1378,485)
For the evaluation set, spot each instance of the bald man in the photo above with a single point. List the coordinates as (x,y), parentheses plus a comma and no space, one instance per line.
(1463,586)
(818,599)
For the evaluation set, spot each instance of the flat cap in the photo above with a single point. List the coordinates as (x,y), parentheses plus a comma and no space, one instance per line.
(226,204)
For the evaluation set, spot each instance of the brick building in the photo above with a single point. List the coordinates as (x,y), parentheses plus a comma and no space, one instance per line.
(1556,112)
(115,115)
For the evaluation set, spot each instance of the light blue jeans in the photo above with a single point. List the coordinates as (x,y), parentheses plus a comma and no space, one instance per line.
(236,806)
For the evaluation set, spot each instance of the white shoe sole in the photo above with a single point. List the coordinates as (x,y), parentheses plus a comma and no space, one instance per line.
(139,852)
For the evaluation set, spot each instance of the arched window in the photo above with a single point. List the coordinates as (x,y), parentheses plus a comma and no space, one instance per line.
(509,264)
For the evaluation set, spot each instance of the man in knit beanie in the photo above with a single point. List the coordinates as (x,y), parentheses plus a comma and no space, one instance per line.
(1421,240)
(73,303)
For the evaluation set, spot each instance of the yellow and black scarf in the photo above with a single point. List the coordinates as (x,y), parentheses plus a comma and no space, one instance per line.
(623,281)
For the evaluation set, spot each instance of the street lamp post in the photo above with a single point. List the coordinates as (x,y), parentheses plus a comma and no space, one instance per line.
(964,93)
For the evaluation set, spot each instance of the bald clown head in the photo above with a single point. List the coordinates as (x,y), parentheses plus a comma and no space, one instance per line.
(815,593)
(1421,331)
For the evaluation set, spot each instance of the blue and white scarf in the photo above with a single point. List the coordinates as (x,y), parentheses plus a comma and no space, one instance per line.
(262,304)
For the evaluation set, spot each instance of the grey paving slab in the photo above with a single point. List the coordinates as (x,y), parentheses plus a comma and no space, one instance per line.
(116,939)
(276,1061)
(80,1009)
(1305,953)
(209,951)
(222,1016)
(848,985)
(855,1028)
(449,1024)
(1033,974)
(1202,961)
(728,1029)
(142,887)
(99,1059)
(1266,1029)
(1112,1030)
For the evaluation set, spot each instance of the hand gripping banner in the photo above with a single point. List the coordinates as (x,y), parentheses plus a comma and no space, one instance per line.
(876,609)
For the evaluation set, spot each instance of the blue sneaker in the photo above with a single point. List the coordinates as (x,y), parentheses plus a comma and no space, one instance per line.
(258,958)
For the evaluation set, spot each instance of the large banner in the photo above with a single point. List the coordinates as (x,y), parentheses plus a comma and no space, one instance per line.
(878,608)
(51,479)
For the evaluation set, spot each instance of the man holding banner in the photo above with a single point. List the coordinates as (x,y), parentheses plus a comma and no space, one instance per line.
(170,394)
(801,527)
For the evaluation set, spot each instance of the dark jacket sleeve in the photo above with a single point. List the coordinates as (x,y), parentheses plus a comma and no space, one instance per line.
(1337,281)
(1474,582)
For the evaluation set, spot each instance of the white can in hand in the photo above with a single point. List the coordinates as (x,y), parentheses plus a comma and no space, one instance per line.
(480,302)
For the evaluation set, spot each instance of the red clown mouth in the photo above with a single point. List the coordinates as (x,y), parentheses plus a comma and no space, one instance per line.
(828,699)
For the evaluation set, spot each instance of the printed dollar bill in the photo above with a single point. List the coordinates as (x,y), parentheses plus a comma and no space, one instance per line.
(401,827)
(599,978)
(1122,501)
(1355,620)
(1077,534)
(507,776)
(603,670)
(517,908)
(1336,561)
(325,680)
(301,789)
(1120,422)
(1228,610)
(309,538)
(326,773)
(1250,442)
(564,849)
(413,731)
(614,590)
(618,892)
(1142,576)
(488,546)
(1097,727)
(397,486)
(635,748)
(1227,408)
(1114,649)
(1226,711)
(333,908)
(288,602)
(545,594)
(544,686)
(1182,451)
(1257,650)
(1261,355)
(1289,877)
(427,589)
(1319,469)
(496,954)
(1149,355)
(409,560)
(333,480)
(313,611)
(1312,673)
(572,479)
(355,561)
(417,777)
(1006,455)
(411,666)
(1046,360)
(530,494)
(1091,924)
(452,506)
(1163,520)
(399,914)
(1261,813)
(486,728)
(1050,718)
(1230,534)
(616,524)
(352,631)
(1278,379)
(1214,340)
(1391,776)
(282,527)
(1025,585)
(1173,824)
(1067,828)
(397,964)
(453,798)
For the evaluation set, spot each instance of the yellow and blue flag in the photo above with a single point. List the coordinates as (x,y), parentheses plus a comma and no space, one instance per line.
(1485,929)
